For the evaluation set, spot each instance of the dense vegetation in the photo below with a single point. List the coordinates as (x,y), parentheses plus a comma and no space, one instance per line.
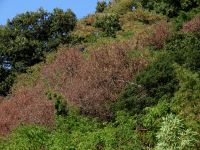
(27,38)
(126,77)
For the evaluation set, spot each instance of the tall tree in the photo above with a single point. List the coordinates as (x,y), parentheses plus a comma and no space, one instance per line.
(29,36)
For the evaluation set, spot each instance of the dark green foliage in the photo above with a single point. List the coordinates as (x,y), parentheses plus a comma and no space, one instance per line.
(159,78)
(101,6)
(109,23)
(133,100)
(29,36)
(186,99)
(181,19)
(61,24)
(60,103)
(185,50)
(32,34)
(171,8)
(6,81)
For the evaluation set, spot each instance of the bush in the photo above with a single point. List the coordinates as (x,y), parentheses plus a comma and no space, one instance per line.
(174,135)
(121,7)
(180,20)
(185,50)
(193,25)
(159,78)
(26,138)
(109,23)
(59,102)
(133,99)
(160,34)
(152,119)
(101,6)
(171,8)
(27,106)
(6,81)
(144,16)
(92,83)
(77,132)
(84,133)
(186,99)
(89,20)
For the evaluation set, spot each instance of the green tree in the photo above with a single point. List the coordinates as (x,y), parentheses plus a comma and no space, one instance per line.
(186,98)
(61,23)
(28,37)
(171,8)
(101,5)
(109,23)
(185,50)
(31,34)
(159,78)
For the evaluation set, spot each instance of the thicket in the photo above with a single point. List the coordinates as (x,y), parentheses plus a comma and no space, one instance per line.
(174,135)
(77,132)
(25,107)
(28,37)
(121,7)
(94,82)
(185,50)
(101,6)
(170,8)
(109,23)
(7,80)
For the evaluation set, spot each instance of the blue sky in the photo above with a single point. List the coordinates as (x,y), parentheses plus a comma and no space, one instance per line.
(10,8)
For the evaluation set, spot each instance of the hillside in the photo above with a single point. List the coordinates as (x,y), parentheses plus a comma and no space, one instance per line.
(126,77)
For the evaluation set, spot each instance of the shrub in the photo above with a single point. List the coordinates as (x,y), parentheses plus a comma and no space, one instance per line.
(185,50)
(159,78)
(109,23)
(180,20)
(1,99)
(89,20)
(7,80)
(94,82)
(27,138)
(101,6)
(59,102)
(160,34)
(193,25)
(144,16)
(186,99)
(171,8)
(152,119)
(121,7)
(86,34)
(87,134)
(25,107)
(133,99)
(174,135)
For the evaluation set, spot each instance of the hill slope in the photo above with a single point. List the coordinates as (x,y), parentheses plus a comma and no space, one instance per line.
(128,79)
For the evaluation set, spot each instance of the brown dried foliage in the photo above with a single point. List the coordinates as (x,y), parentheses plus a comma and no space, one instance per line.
(1,99)
(193,25)
(94,82)
(161,32)
(89,20)
(25,107)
